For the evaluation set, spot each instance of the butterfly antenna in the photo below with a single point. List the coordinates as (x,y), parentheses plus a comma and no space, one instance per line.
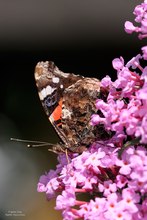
(32,143)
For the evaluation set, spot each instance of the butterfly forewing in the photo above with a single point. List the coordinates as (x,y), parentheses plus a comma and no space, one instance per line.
(51,83)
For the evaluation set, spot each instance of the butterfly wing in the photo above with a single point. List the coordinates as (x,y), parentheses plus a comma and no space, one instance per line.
(51,83)
(78,105)
(69,101)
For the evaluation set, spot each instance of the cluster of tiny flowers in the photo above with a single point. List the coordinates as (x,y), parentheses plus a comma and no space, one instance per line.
(140,12)
(116,188)
(125,110)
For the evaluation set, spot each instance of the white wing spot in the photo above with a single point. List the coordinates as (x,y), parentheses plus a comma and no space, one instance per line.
(55,79)
(48,90)
(43,93)
(66,113)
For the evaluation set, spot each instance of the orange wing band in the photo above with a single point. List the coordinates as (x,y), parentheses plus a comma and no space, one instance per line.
(57,113)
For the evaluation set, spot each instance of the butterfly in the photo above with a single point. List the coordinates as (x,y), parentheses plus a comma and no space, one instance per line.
(69,101)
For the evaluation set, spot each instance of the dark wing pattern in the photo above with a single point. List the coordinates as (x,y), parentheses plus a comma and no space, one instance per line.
(69,101)
(51,84)
(78,105)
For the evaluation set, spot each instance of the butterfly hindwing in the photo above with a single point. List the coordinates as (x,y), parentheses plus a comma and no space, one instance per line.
(78,105)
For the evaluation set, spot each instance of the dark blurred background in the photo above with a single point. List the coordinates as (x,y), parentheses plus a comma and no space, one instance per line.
(80,36)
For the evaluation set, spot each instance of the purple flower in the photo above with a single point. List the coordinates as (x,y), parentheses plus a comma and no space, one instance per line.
(124,164)
(134,63)
(107,187)
(118,63)
(130,28)
(121,181)
(96,119)
(130,198)
(140,13)
(67,199)
(106,82)
(70,215)
(51,188)
(144,51)
(44,179)
(94,209)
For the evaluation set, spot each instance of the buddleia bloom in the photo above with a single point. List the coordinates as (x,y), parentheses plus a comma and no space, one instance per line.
(140,13)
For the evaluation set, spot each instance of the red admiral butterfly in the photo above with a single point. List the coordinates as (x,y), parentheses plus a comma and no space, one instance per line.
(69,102)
